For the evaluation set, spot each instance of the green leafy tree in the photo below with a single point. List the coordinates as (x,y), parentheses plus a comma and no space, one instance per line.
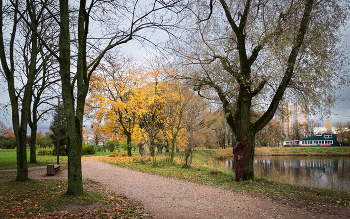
(43,140)
(110,145)
(59,118)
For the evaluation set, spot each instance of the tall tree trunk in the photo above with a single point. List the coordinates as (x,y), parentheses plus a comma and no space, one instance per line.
(74,123)
(31,78)
(244,147)
(152,146)
(244,157)
(241,123)
(32,145)
(75,141)
(22,167)
(172,146)
(128,141)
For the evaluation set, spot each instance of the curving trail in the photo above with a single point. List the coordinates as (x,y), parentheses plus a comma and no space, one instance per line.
(171,198)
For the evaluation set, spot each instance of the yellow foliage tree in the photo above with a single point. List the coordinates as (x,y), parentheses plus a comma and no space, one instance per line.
(134,103)
(162,119)
(328,125)
(175,112)
(116,99)
(6,133)
(152,119)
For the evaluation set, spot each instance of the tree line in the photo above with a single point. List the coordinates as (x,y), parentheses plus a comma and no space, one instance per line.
(135,103)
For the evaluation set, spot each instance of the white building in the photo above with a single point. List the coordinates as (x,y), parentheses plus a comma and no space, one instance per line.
(323,129)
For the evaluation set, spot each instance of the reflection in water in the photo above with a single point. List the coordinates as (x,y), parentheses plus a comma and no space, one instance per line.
(331,173)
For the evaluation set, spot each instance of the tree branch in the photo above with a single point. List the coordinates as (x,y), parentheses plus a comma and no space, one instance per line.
(268,115)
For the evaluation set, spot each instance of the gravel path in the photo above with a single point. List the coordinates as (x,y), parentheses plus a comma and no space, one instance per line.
(170,198)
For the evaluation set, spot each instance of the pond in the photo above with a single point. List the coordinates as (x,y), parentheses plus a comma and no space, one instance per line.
(330,172)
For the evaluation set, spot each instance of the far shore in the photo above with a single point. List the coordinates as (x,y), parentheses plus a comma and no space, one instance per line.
(303,151)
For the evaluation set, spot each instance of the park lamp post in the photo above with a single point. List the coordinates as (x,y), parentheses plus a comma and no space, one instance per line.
(58,131)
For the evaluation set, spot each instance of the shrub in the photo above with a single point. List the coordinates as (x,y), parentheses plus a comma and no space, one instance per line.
(8,144)
(100,148)
(46,151)
(63,150)
(88,149)
(124,146)
(110,145)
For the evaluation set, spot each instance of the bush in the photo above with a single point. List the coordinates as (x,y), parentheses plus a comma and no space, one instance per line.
(124,146)
(100,148)
(46,151)
(88,149)
(63,150)
(8,144)
(110,145)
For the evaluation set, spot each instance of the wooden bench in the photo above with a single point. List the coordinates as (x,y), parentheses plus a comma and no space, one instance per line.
(52,169)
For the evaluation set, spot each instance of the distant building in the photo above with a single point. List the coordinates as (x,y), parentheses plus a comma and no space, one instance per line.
(320,130)
(293,117)
(325,139)
(320,140)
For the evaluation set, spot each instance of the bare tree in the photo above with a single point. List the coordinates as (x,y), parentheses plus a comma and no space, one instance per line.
(46,80)
(342,131)
(25,63)
(254,54)
(20,110)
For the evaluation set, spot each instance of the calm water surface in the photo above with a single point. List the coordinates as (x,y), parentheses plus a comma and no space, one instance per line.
(331,173)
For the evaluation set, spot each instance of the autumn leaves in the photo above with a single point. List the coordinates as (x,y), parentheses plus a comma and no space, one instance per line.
(134,103)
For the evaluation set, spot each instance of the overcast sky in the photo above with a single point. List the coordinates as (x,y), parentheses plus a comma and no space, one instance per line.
(340,113)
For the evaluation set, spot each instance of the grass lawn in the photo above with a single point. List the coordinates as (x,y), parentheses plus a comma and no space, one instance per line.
(8,159)
(46,198)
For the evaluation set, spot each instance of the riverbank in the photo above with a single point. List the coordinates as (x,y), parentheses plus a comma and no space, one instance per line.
(302,151)
(204,170)
(224,154)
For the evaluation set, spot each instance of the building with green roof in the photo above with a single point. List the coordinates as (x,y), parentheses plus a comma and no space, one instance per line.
(324,139)
(320,140)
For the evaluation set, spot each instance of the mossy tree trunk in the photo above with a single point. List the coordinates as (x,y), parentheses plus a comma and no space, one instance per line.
(74,116)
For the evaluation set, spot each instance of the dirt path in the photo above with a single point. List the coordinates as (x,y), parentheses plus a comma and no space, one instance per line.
(170,198)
